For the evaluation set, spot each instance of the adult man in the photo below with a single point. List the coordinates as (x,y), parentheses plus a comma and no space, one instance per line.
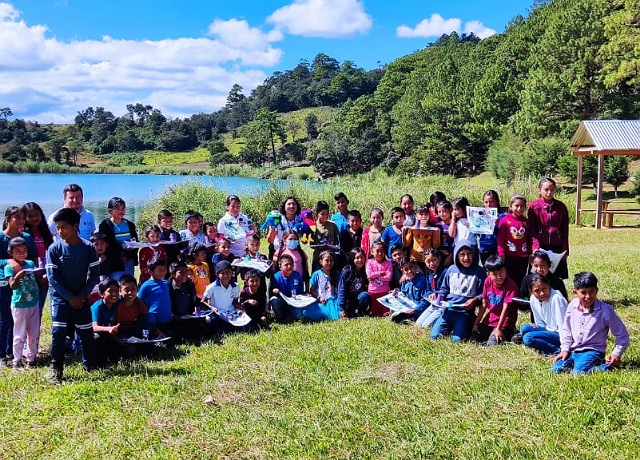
(73,198)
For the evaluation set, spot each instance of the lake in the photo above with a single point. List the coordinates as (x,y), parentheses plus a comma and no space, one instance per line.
(136,189)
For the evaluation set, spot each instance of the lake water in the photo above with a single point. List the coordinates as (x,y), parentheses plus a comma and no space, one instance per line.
(136,189)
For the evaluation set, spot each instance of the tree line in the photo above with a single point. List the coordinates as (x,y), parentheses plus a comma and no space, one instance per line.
(507,103)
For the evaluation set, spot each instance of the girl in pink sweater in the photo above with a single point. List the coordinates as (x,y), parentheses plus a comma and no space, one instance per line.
(379,271)
(514,239)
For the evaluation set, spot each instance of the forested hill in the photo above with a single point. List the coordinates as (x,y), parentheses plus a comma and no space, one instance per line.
(455,106)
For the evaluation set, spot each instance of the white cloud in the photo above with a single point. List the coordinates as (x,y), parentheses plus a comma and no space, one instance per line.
(436,26)
(478,28)
(49,80)
(322,18)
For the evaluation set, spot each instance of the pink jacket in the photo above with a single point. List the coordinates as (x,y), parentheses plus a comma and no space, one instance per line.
(379,281)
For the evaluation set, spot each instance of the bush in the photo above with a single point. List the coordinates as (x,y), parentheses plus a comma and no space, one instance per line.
(125,159)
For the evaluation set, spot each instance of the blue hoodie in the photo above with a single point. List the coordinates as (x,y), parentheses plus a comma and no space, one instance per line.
(462,283)
(415,289)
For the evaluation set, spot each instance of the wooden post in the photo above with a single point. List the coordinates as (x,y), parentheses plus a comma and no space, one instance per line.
(599,191)
(579,190)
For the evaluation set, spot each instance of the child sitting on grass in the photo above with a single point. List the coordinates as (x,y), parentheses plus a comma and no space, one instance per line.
(499,324)
(549,308)
(184,301)
(253,298)
(414,286)
(285,282)
(324,286)
(462,287)
(105,327)
(132,315)
(583,337)
(155,294)
(222,295)
(435,274)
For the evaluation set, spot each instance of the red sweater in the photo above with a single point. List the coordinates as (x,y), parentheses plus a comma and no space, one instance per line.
(514,237)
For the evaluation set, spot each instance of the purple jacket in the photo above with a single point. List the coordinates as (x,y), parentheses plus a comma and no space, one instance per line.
(588,330)
(548,224)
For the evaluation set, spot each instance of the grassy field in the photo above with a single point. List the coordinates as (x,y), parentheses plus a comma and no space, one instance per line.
(349,389)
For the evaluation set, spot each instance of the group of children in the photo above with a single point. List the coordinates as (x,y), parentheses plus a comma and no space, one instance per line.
(460,284)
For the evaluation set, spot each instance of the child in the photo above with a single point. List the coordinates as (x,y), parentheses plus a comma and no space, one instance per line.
(168,233)
(407,204)
(132,315)
(514,239)
(118,231)
(193,231)
(153,234)
(549,220)
(323,286)
(421,237)
(285,282)
(235,226)
(541,264)
(583,337)
(498,325)
(397,254)
(11,228)
(374,231)
(99,242)
(253,253)
(414,286)
(72,270)
(340,218)
(25,309)
(36,226)
(353,298)
(434,274)
(379,272)
(155,294)
(201,274)
(224,253)
(435,198)
(549,308)
(104,325)
(184,301)
(253,298)
(459,228)
(445,215)
(488,244)
(392,235)
(210,231)
(324,235)
(462,288)
(350,238)
(222,295)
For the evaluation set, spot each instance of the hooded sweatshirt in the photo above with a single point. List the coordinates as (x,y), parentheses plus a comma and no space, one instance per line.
(461,283)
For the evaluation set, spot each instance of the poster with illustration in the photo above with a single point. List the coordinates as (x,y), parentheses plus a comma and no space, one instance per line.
(482,221)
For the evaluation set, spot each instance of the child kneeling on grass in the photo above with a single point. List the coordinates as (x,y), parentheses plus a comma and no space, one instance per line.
(462,288)
(499,324)
(549,308)
(583,337)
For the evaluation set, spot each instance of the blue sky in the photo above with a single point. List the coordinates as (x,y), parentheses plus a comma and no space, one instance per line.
(58,57)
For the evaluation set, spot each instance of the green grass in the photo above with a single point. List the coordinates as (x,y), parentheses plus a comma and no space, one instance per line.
(348,389)
(153,158)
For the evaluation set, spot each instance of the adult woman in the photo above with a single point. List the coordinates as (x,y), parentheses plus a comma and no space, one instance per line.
(290,219)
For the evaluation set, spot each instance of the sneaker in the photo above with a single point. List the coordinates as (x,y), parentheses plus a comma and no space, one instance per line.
(517,339)
(54,377)
(18,366)
(30,364)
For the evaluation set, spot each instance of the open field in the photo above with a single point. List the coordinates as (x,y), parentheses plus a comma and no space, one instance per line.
(350,389)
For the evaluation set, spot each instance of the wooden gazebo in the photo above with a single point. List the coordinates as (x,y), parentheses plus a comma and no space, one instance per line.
(603,137)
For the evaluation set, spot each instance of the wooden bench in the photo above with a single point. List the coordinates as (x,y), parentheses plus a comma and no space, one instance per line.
(609,213)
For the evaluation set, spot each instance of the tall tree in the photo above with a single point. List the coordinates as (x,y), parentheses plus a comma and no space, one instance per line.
(267,126)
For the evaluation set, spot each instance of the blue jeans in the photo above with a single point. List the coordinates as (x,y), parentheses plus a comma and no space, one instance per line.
(454,322)
(540,339)
(360,306)
(429,316)
(61,313)
(582,362)
(6,322)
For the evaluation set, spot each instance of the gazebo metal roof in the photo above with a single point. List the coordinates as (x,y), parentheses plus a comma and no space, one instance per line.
(609,137)
(603,137)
